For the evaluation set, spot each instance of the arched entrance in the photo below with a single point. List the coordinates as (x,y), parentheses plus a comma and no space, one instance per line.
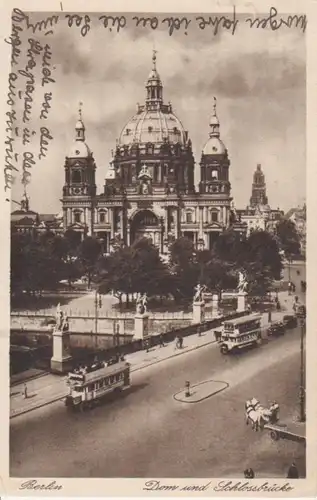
(145,224)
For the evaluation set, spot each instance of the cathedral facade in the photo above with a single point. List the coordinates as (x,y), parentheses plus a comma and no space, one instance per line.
(149,189)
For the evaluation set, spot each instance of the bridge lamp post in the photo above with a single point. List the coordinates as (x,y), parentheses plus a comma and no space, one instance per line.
(302,415)
(98,304)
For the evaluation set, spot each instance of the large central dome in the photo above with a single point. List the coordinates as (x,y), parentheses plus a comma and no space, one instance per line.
(154,122)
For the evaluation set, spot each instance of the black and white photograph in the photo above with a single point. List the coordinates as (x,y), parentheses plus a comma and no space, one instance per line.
(155,180)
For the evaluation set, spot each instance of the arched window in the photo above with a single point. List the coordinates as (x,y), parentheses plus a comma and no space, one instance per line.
(189,216)
(214,216)
(149,149)
(77,216)
(102,216)
(214,174)
(76,177)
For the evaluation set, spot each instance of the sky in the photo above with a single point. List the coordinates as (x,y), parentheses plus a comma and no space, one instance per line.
(257,75)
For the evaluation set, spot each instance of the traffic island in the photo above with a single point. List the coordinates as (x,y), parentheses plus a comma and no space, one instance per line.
(201,391)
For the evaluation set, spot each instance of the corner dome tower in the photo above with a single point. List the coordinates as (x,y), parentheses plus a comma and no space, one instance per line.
(214,145)
(214,172)
(79,147)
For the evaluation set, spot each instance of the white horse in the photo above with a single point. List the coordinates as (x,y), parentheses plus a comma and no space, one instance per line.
(258,415)
(252,416)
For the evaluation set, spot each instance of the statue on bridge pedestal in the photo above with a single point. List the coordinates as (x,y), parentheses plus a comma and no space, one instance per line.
(62,324)
(242,284)
(198,297)
(141,303)
(61,359)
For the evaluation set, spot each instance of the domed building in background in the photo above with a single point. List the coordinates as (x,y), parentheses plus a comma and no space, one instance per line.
(149,188)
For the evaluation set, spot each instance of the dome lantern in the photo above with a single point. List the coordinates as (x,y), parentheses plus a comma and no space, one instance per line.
(154,87)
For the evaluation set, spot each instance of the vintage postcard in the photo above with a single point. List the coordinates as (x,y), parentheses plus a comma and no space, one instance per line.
(158,268)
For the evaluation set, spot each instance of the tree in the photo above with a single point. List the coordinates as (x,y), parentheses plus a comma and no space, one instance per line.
(262,249)
(183,267)
(88,252)
(216,274)
(135,269)
(230,247)
(288,238)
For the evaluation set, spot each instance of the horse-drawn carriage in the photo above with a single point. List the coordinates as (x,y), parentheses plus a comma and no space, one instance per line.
(258,416)
(278,432)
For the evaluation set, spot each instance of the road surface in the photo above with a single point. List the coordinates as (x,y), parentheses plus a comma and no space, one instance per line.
(146,433)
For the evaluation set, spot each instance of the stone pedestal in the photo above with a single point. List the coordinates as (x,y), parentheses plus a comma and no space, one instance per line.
(215,305)
(198,312)
(241,304)
(141,326)
(61,362)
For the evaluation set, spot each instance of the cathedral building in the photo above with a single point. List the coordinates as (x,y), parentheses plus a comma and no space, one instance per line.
(149,188)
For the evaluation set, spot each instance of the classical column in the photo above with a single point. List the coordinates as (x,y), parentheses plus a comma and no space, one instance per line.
(65,218)
(122,224)
(176,223)
(89,220)
(128,233)
(201,216)
(112,222)
(69,221)
(166,221)
(205,214)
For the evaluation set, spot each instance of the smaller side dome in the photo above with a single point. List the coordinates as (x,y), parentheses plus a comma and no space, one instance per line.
(214,145)
(79,148)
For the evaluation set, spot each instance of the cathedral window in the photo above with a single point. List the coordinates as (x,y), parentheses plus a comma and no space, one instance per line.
(149,149)
(214,174)
(214,216)
(76,177)
(102,216)
(189,217)
(77,216)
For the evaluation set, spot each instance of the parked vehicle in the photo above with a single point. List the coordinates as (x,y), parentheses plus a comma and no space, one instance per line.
(276,329)
(290,321)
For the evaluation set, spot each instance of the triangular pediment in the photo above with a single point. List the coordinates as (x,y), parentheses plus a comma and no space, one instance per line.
(77,225)
(215,225)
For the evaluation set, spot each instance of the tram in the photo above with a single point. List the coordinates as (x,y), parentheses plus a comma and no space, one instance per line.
(240,333)
(89,384)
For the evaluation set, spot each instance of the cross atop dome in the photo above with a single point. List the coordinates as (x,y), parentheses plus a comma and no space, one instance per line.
(214,122)
(80,127)
(154,59)
(79,110)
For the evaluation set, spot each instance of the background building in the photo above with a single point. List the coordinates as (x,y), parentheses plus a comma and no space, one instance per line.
(258,215)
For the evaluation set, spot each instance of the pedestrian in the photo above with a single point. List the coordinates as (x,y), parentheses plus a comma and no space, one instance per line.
(25,391)
(181,340)
(293,472)
(161,340)
(249,473)
(278,305)
(147,345)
